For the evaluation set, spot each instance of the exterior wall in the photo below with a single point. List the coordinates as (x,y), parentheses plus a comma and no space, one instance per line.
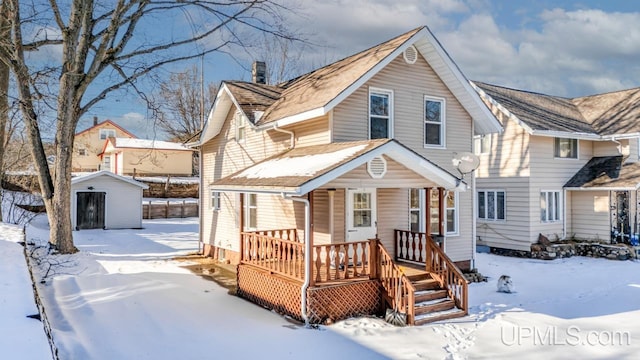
(507,168)
(634,150)
(610,148)
(151,162)
(550,174)
(90,141)
(590,215)
(410,84)
(123,202)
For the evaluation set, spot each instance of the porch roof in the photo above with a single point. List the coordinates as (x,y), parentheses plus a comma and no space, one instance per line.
(300,170)
(606,172)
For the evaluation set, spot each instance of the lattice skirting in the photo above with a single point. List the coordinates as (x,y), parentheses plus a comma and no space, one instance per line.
(342,301)
(271,292)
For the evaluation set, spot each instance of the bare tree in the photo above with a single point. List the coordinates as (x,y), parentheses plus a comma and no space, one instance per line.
(181,105)
(108,46)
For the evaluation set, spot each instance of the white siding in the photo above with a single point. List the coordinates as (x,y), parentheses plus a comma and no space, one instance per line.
(610,148)
(590,215)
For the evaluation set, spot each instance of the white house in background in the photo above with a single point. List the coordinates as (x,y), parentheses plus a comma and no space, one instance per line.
(126,156)
(104,200)
(563,168)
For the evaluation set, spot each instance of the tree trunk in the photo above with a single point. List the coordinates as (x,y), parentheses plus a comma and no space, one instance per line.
(4,120)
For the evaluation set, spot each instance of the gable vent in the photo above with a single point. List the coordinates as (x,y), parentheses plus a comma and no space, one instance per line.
(410,55)
(377,167)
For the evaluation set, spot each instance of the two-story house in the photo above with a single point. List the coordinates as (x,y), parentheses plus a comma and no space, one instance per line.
(89,143)
(143,157)
(564,168)
(318,187)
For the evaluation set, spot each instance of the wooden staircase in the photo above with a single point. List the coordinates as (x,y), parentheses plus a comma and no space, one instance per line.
(430,301)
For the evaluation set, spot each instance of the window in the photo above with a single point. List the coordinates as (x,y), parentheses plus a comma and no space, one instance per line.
(251,211)
(433,122)
(491,205)
(107,133)
(481,144)
(415,209)
(380,114)
(566,148)
(549,206)
(106,163)
(362,209)
(82,152)
(450,208)
(214,202)
(241,127)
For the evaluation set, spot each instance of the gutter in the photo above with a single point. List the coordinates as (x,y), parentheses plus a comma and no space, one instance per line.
(290,133)
(307,254)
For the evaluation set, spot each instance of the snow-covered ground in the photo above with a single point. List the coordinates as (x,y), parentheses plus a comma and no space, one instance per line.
(123,297)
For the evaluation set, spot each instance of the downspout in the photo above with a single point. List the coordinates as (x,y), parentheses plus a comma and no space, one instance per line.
(291,133)
(307,254)
(564,214)
(474,212)
(200,200)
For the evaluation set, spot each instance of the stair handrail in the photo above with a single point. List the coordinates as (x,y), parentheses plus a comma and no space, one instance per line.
(398,289)
(447,274)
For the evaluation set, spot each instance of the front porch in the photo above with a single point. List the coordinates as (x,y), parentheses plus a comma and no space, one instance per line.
(351,278)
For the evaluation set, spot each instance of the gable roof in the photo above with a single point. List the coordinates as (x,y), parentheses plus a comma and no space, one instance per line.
(146,144)
(606,172)
(300,170)
(106,122)
(597,116)
(318,92)
(93,175)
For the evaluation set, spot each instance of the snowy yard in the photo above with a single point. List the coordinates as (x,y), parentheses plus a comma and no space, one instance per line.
(122,297)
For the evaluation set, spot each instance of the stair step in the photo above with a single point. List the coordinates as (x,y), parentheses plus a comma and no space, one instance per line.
(419,276)
(438,316)
(433,306)
(428,284)
(426,295)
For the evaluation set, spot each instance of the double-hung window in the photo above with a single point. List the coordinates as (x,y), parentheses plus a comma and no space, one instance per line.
(241,127)
(107,133)
(550,209)
(491,205)
(380,114)
(251,211)
(415,209)
(214,202)
(565,148)
(481,144)
(434,122)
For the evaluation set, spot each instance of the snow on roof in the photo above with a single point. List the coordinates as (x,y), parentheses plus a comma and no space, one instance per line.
(148,144)
(307,165)
(89,176)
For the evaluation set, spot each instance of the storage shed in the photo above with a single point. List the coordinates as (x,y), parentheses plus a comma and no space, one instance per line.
(103,200)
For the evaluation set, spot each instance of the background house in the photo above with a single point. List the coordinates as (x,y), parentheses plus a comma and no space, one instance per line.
(88,144)
(126,156)
(562,168)
(103,200)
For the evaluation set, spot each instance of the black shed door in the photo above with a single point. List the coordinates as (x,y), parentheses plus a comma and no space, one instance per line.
(90,210)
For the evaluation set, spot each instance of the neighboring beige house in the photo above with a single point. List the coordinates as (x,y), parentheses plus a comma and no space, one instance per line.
(319,187)
(564,168)
(88,144)
(124,156)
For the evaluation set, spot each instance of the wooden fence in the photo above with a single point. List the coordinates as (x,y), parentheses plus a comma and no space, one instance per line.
(155,209)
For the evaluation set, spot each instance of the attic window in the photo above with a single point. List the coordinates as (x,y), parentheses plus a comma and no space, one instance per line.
(410,55)
(377,167)
(107,133)
(241,127)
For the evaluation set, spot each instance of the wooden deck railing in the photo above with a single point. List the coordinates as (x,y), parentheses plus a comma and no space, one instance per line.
(398,290)
(277,255)
(341,261)
(414,246)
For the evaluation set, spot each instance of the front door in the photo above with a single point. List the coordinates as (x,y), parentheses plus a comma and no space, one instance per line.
(361,214)
(90,210)
(621,231)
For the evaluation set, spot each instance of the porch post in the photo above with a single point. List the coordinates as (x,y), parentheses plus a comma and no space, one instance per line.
(309,265)
(241,230)
(427,217)
(441,217)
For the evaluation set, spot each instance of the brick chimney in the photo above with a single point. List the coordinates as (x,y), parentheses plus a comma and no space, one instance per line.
(259,72)
(95,120)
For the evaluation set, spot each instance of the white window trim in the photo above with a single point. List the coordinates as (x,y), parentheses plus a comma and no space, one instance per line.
(374,90)
(456,210)
(421,209)
(247,214)
(560,213)
(214,200)
(240,123)
(443,122)
(496,191)
(480,139)
(567,158)
(106,132)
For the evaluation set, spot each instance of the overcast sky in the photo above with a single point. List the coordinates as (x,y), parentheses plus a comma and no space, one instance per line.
(557,47)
